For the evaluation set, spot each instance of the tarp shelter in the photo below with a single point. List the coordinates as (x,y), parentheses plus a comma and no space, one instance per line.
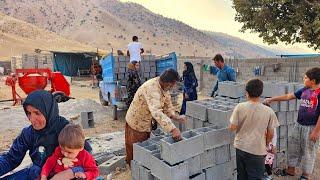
(69,63)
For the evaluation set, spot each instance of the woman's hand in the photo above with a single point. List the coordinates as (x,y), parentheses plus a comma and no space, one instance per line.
(186,97)
(80,175)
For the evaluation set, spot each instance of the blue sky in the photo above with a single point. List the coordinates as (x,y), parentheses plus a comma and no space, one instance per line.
(211,15)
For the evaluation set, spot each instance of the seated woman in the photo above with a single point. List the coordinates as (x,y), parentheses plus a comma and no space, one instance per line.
(40,138)
(190,84)
(134,81)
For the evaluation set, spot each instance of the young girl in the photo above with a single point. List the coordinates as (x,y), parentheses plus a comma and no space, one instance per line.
(271,149)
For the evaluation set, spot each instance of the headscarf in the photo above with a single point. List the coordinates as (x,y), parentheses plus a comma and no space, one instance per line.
(189,70)
(48,136)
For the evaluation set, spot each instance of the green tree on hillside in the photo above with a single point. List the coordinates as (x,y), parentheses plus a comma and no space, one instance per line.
(289,21)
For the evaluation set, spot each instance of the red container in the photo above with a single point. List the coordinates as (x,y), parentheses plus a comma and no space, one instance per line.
(31,82)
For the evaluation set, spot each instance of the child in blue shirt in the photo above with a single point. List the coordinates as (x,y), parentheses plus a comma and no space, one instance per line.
(304,142)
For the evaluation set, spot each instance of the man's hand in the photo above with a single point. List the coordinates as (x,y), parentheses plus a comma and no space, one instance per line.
(267,101)
(314,136)
(176,135)
(181,118)
(80,175)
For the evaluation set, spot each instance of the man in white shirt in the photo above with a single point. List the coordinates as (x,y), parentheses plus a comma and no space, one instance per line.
(135,50)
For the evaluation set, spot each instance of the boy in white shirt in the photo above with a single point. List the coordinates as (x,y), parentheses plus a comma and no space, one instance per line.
(254,125)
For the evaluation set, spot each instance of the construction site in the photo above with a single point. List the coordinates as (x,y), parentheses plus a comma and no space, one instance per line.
(206,150)
(159,90)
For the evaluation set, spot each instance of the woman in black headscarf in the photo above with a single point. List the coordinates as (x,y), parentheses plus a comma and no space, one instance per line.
(40,138)
(190,83)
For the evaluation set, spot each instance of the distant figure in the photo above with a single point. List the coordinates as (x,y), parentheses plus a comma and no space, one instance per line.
(190,84)
(224,72)
(120,53)
(135,50)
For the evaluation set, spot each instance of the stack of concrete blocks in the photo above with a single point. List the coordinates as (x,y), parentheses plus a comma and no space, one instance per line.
(210,112)
(202,154)
(32,61)
(147,68)
(287,114)
(120,69)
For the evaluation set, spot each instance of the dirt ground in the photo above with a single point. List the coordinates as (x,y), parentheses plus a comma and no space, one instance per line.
(107,126)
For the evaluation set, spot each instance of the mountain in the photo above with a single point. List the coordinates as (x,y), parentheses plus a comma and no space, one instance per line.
(17,36)
(110,24)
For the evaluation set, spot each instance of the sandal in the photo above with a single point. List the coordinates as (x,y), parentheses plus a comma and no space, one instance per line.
(282,172)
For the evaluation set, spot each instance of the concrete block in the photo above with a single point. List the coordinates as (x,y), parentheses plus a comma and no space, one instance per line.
(164,171)
(207,159)
(194,165)
(232,150)
(282,118)
(295,116)
(275,106)
(112,164)
(197,123)
(201,176)
(214,136)
(207,124)
(290,129)
(87,120)
(190,122)
(101,157)
(175,152)
(219,115)
(145,173)
(156,139)
(284,105)
(298,104)
(292,105)
(271,89)
(282,131)
(221,172)
(290,117)
(222,154)
(197,109)
(144,150)
(122,70)
(231,89)
(234,163)
(282,144)
(135,169)
(157,132)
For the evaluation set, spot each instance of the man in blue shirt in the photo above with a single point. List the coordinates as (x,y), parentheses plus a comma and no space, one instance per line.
(223,72)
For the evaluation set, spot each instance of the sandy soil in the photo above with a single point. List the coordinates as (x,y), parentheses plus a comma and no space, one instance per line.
(106,126)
